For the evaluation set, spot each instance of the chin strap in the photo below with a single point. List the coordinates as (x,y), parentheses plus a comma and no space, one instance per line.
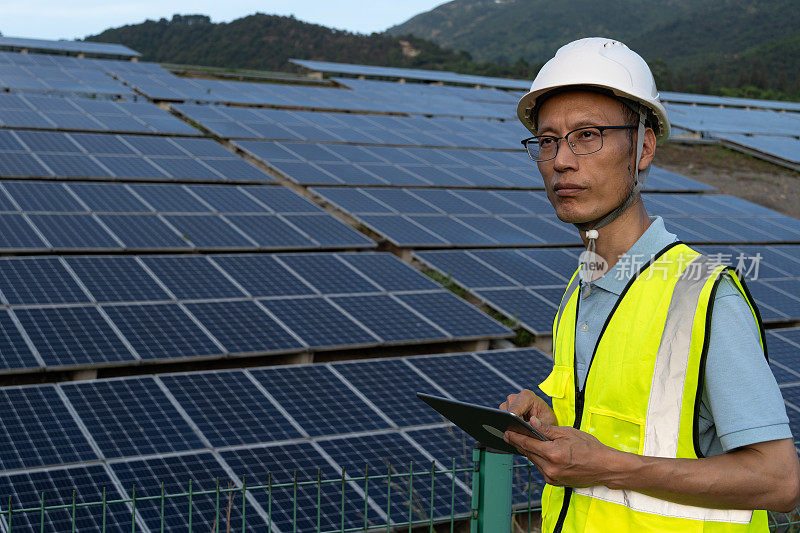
(590,228)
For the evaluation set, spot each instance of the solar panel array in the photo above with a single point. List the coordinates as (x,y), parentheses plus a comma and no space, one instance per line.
(83,311)
(450,181)
(291,421)
(438,218)
(81,216)
(347,164)
(30,110)
(411,73)
(68,46)
(128,157)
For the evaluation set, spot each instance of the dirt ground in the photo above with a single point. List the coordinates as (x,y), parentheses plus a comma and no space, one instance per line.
(735,173)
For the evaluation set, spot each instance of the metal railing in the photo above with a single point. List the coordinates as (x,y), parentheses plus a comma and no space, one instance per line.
(432,499)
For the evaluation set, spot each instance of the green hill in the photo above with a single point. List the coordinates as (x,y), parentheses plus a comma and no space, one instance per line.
(706,45)
(266,42)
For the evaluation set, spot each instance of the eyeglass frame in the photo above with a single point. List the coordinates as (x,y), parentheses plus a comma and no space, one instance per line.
(556,139)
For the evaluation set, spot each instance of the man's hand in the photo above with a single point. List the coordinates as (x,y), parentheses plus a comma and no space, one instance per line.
(530,407)
(572,458)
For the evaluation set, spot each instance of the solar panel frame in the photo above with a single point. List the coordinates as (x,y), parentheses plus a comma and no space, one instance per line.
(228,408)
(318,400)
(131,416)
(86,482)
(243,328)
(203,471)
(162,331)
(38,280)
(70,336)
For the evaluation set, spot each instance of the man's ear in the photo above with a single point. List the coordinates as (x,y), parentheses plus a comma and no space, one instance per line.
(648,148)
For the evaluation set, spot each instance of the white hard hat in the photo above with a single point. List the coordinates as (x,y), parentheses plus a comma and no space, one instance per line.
(602,63)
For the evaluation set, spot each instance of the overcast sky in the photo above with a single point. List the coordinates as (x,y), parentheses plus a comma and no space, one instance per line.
(69,19)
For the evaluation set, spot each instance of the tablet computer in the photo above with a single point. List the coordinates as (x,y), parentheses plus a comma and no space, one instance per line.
(485,424)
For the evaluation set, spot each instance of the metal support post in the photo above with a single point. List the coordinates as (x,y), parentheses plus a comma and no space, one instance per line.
(491,491)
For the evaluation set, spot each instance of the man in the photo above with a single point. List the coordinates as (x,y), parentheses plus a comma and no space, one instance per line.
(665,416)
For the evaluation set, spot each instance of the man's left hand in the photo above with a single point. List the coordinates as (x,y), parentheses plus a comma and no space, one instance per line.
(572,458)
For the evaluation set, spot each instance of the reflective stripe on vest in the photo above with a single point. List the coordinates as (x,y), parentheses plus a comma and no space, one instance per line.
(642,395)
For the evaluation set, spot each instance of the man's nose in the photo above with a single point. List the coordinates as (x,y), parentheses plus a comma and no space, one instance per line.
(564,158)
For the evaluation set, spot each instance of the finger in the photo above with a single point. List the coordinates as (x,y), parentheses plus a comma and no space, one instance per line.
(503,406)
(520,405)
(524,443)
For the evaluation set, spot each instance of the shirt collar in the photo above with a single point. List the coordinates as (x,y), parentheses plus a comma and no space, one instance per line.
(653,240)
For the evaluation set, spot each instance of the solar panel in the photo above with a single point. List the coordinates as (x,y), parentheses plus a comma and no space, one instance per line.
(113,197)
(12,164)
(116,279)
(41,280)
(392,385)
(228,408)
(143,232)
(454,315)
(226,199)
(102,144)
(169,198)
(131,167)
(153,145)
(401,230)
(388,319)
(209,231)
(282,200)
(202,470)
(298,509)
(130,416)
(14,351)
(465,378)
(73,232)
(318,323)
(270,231)
(42,196)
(190,278)
(519,268)
(327,274)
(38,430)
(262,275)
(242,327)
(521,305)
(16,233)
(66,336)
(65,165)
(59,486)
(42,141)
(161,331)
(183,168)
(445,444)
(328,231)
(527,367)
(451,230)
(464,268)
(352,200)
(389,272)
(315,398)
(383,453)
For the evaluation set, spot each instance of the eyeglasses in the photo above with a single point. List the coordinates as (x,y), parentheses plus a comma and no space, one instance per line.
(582,141)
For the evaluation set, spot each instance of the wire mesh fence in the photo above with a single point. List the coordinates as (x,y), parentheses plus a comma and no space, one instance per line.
(408,498)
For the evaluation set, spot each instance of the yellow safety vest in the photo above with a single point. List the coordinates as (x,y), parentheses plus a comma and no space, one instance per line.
(642,394)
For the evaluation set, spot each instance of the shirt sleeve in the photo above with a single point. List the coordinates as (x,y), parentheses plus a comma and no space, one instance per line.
(743,398)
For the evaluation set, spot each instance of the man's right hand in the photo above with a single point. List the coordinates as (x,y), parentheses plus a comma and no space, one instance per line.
(527,405)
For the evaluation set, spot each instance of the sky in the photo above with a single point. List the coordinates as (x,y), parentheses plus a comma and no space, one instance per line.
(70,19)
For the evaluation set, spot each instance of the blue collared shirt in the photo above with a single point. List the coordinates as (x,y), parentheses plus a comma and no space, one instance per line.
(741,402)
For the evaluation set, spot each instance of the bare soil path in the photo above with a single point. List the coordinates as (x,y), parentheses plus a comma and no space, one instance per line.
(735,173)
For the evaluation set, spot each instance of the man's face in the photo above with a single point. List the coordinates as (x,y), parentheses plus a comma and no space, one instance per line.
(583,188)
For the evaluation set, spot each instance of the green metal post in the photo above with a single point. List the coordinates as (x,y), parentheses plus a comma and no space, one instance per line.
(491,487)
